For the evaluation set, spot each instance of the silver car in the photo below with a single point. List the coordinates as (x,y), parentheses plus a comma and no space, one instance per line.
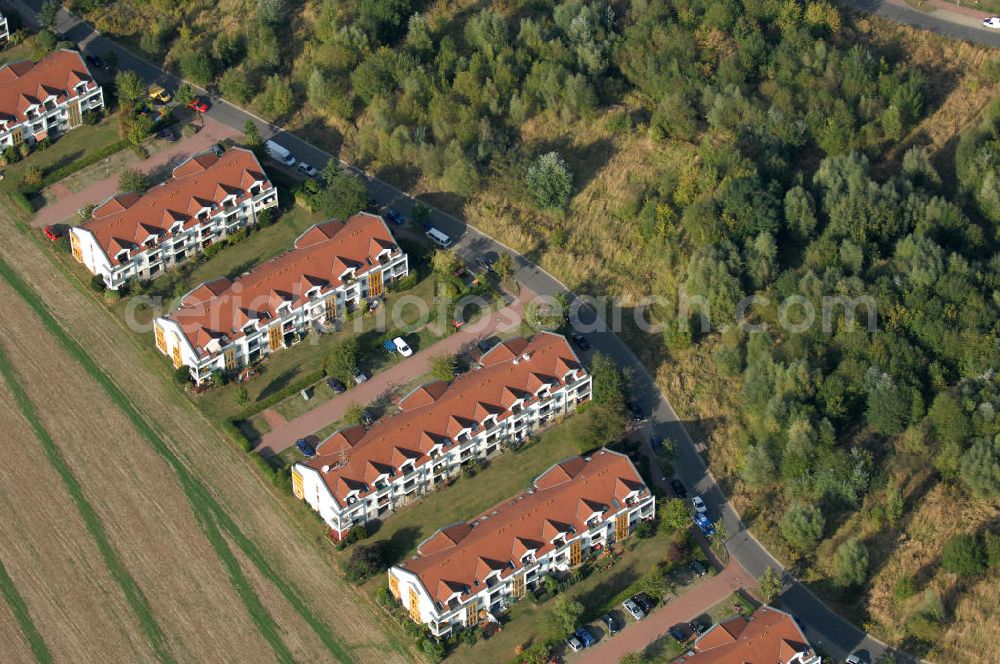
(634,609)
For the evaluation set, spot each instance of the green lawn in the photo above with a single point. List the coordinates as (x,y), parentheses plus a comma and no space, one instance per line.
(505,476)
(71,146)
(21,51)
(293,364)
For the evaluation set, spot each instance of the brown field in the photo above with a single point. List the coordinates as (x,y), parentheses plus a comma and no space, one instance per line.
(149,520)
(52,561)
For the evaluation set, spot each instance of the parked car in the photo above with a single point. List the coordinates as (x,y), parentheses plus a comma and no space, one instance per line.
(308,170)
(699,505)
(633,608)
(359,376)
(679,633)
(698,627)
(580,341)
(158,94)
(585,636)
(646,602)
(198,104)
(367,418)
(304,447)
(218,149)
(168,135)
(389,346)
(51,232)
(678,488)
(854,658)
(993,22)
(97,62)
(697,568)
(486,261)
(704,524)
(485,345)
(636,411)
(574,643)
(612,622)
(336,386)
(401,346)
(395,217)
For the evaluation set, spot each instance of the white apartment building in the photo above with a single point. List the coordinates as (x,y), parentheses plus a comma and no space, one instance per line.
(134,236)
(224,325)
(359,475)
(45,98)
(468,570)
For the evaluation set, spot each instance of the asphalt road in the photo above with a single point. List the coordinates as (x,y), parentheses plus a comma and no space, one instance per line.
(937,22)
(824,628)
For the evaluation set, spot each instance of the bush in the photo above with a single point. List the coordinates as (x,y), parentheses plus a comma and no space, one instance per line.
(850,564)
(406,283)
(645,529)
(97,283)
(132,179)
(182,375)
(366,561)
(963,555)
(802,527)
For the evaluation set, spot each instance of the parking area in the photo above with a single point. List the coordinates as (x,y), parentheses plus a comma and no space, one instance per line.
(94,184)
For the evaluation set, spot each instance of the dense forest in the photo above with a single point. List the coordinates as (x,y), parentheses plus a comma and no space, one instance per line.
(713,149)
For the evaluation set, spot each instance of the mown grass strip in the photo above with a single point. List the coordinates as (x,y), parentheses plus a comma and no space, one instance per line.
(133,594)
(20,610)
(204,505)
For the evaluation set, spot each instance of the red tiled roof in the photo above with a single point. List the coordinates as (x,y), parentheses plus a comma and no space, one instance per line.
(222,308)
(436,413)
(770,637)
(25,83)
(126,220)
(461,556)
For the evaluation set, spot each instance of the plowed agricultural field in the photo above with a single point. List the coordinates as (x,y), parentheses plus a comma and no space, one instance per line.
(132,530)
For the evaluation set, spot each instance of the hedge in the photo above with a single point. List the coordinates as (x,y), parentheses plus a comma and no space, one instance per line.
(22,202)
(307,381)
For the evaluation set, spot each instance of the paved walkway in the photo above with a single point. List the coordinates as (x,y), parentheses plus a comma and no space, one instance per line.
(66,203)
(637,635)
(284,434)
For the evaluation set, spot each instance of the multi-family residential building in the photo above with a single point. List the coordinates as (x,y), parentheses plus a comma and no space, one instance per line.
(769,636)
(224,325)
(465,570)
(42,99)
(137,236)
(4,31)
(358,475)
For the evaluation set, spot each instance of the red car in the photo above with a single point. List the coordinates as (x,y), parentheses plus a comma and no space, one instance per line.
(197,104)
(51,232)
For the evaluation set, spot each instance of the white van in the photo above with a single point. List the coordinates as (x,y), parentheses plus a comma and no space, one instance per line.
(279,153)
(438,238)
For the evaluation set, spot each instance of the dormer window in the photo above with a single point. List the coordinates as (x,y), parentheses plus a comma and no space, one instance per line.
(528,558)
(176,227)
(122,256)
(489,421)
(558,541)
(254,190)
(203,215)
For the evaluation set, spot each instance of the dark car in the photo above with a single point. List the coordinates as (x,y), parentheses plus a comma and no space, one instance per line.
(678,488)
(580,341)
(95,61)
(367,418)
(698,627)
(585,637)
(656,442)
(645,601)
(485,345)
(698,568)
(612,622)
(168,135)
(304,447)
(336,385)
(636,411)
(679,633)
(486,261)
(395,217)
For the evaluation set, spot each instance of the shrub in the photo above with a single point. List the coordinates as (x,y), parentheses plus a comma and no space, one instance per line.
(97,283)
(366,561)
(182,375)
(991,543)
(645,529)
(406,283)
(905,588)
(850,564)
(32,175)
(963,555)
(802,527)
(132,179)
(443,367)
(550,181)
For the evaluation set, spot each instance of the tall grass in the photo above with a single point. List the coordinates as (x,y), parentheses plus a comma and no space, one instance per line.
(133,594)
(208,512)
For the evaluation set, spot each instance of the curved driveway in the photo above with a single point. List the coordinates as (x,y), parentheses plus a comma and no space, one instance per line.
(827,630)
